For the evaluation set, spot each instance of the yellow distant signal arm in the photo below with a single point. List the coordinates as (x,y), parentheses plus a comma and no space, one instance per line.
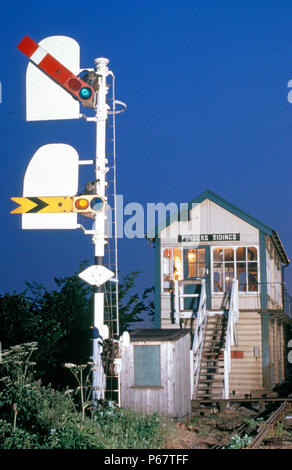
(57,204)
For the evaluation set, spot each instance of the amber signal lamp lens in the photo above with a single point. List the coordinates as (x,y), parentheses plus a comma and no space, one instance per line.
(81,204)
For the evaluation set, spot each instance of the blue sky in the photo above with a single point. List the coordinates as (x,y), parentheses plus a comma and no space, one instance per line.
(205,84)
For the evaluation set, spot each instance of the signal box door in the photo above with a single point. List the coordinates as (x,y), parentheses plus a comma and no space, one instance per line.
(196,267)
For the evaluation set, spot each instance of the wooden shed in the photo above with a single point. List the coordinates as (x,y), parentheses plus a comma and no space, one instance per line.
(155,372)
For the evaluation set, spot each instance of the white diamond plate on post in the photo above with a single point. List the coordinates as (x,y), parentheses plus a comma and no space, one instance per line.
(96,275)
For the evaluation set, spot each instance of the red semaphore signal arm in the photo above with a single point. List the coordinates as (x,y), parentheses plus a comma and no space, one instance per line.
(78,88)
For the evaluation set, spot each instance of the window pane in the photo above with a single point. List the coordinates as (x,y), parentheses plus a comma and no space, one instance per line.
(228,254)
(252,276)
(192,271)
(251,253)
(167,253)
(147,366)
(177,264)
(201,270)
(240,254)
(218,277)
(166,269)
(241,276)
(218,254)
(201,255)
(229,275)
(192,258)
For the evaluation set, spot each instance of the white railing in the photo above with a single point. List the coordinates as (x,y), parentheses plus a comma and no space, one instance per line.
(198,341)
(231,336)
(179,296)
(201,323)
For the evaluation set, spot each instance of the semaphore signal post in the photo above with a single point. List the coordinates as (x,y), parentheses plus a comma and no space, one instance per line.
(55,88)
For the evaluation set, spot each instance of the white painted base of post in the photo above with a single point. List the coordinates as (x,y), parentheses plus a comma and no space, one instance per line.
(98,375)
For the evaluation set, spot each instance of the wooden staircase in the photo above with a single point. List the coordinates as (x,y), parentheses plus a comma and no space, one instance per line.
(211,376)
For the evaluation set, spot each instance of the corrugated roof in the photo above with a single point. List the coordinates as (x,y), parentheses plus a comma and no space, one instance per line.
(158,334)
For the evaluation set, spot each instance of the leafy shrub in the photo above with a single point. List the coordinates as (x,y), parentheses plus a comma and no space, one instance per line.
(36,416)
(16,438)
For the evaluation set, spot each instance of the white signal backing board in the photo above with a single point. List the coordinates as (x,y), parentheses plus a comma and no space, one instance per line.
(46,100)
(52,171)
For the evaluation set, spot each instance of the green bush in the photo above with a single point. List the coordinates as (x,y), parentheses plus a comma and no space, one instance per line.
(34,416)
(16,438)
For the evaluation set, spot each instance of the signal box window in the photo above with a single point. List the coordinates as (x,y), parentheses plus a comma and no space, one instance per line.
(172,267)
(240,263)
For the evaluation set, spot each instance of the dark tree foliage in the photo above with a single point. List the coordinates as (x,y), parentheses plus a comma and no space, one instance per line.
(132,306)
(60,321)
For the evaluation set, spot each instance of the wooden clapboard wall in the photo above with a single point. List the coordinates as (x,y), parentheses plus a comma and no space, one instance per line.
(246,356)
(276,350)
(172,398)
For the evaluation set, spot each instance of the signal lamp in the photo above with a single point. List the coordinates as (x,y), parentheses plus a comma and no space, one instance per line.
(74,84)
(96,204)
(85,93)
(81,204)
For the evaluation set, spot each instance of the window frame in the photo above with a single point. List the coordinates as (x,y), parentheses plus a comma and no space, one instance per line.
(164,292)
(235,261)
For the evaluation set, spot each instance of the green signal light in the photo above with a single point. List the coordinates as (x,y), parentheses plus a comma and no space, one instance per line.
(85,93)
(97,204)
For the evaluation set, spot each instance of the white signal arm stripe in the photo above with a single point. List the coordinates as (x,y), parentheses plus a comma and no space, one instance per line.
(38,55)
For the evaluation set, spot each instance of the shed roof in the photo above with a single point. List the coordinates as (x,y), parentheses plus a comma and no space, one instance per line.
(158,334)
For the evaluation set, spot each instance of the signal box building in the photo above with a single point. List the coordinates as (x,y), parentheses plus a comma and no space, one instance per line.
(220,275)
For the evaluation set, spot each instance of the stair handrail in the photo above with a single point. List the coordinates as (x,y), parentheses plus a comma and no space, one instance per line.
(198,340)
(231,335)
(178,298)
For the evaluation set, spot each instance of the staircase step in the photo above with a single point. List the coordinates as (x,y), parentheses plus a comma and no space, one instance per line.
(210,362)
(208,396)
(210,365)
(215,331)
(210,383)
(212,376)
(204,371)
(215,326)
(212,333)
(212,355)
(214,380)
(215,371)
(216,321)
(217,337)
(213,350)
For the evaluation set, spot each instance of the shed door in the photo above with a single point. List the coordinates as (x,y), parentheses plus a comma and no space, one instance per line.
(196,267)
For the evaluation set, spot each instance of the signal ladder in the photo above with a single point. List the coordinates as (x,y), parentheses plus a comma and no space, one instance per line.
(111,292)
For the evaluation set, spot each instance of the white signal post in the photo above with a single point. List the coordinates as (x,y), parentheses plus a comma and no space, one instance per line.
(100,333)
